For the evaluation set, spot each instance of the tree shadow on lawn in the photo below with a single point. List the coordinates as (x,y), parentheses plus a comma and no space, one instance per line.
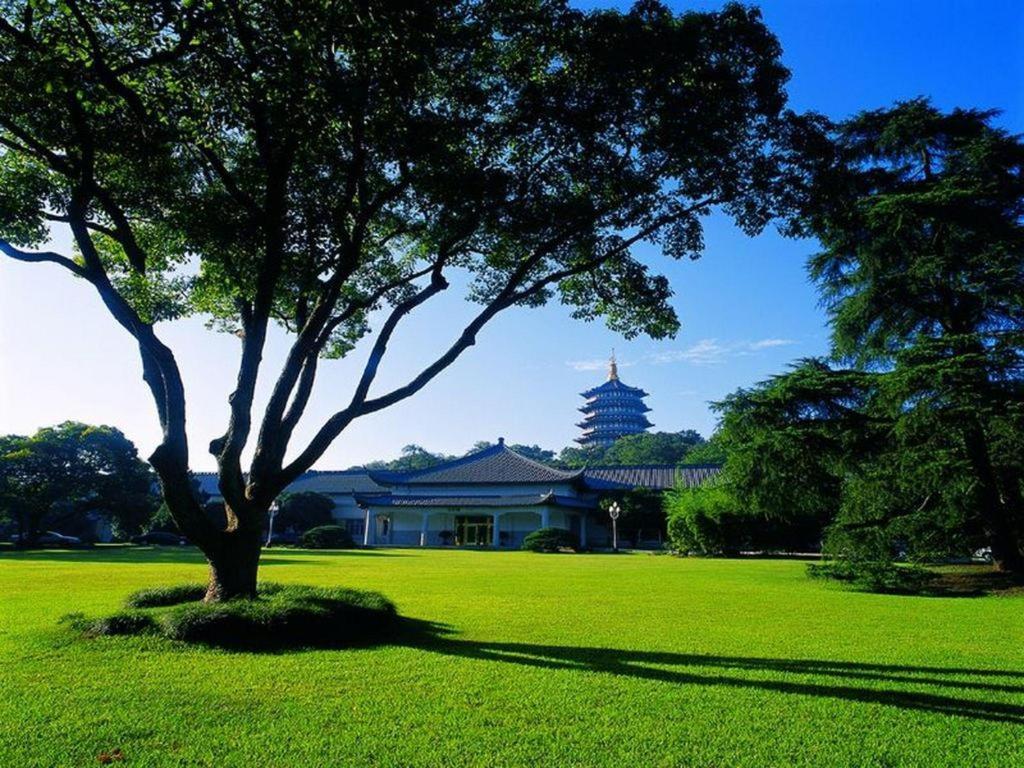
(704,670)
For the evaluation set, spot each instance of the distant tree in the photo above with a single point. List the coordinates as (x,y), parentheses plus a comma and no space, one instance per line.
(644,448)
(789,444)
(62,473)
(11,506)
(413,457)
(652,448)
(574,457)
(302,511)
(327,167)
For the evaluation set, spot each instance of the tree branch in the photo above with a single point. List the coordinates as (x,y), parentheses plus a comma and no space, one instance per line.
(43,256)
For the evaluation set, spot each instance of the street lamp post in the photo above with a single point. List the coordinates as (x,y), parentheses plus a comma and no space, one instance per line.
(270,527)
(613,513)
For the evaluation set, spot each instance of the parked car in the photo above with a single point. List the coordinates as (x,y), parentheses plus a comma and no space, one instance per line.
(984,555)
(160,538)
(50,539)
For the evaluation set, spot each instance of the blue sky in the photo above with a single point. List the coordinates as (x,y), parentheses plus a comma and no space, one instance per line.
(746,307)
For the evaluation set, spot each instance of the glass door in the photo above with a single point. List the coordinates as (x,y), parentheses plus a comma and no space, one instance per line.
(474,530)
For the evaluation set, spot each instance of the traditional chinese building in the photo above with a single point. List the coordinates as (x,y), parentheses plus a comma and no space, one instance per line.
(612,410)
(490,498)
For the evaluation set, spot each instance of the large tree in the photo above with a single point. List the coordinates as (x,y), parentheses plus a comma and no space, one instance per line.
(920,215)
(328,166)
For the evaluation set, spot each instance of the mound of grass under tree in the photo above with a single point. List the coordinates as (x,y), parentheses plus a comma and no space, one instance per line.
(281,617)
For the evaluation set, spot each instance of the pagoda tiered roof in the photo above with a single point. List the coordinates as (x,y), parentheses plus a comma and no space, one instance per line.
(613,387)
(612,410)
(631,403)
(592,418)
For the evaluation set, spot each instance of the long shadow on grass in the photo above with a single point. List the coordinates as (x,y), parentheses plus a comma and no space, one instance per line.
(705,670)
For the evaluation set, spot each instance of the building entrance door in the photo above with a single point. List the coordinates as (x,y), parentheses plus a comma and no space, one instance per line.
(473,531)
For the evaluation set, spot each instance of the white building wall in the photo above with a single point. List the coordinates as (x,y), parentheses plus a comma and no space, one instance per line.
(405,526)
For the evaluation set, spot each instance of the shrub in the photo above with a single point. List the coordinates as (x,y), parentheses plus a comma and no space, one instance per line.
(704,521)
(709,520)
(875,575)
(327,537)
(550,540)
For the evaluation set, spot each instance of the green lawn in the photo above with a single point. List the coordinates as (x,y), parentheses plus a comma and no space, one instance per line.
(560,660)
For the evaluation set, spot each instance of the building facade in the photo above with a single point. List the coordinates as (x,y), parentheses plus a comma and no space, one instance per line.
(612,410)
(490,498)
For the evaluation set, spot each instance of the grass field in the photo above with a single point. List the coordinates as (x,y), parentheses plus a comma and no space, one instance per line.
(635,660)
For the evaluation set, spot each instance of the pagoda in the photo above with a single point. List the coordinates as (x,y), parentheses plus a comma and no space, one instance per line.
(612,410)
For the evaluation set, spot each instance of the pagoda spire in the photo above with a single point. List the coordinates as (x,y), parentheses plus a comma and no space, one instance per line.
(613,369)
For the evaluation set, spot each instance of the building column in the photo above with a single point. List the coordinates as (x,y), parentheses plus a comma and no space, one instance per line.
(367,537)
(583,530)
(424,528)
(495,533)
(545,518)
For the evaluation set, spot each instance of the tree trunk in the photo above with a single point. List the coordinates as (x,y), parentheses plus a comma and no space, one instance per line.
(234,565)
(997,520)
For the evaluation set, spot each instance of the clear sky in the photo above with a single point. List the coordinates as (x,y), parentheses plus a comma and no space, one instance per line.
(746,307)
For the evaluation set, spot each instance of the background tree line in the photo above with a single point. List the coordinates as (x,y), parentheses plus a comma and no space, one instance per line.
(79,479)
(686,446)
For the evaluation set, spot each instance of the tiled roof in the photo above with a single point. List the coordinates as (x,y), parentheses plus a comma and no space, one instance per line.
(327,482)
(654,476)
(343,481)
(531,500)
(497,464)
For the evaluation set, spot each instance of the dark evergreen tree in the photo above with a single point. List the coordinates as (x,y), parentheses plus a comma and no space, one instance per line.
(920,215)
